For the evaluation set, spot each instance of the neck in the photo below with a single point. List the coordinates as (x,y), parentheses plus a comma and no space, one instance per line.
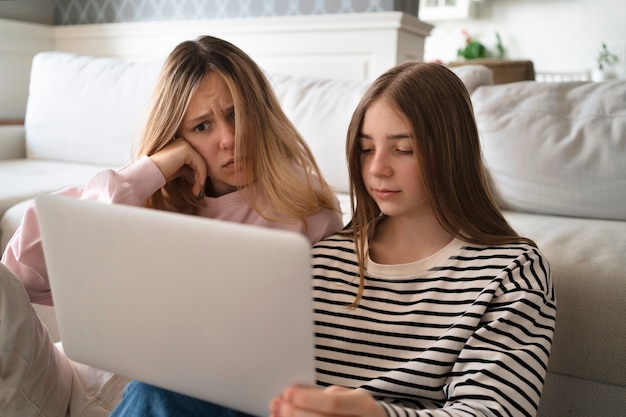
(399,240)
(217,189)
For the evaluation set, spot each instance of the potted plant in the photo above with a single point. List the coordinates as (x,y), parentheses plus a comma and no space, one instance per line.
(473,49)
(605,62)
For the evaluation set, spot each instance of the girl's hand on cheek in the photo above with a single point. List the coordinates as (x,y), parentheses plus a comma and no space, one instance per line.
(298,401)
(178,159)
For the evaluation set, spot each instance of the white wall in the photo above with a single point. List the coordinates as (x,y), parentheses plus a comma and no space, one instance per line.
(354,46)
(15,59)
(350,46)
(557,35)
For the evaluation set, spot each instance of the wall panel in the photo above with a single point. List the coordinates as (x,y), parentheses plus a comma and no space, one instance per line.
(350,46)
(20,41)
(360,45)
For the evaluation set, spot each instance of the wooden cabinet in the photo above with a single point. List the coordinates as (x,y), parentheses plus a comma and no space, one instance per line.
(504,70)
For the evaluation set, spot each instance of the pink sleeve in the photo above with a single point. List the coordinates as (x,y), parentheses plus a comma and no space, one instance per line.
(323,224)
(130,185)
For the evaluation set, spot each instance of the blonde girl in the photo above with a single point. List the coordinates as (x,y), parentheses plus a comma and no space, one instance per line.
(217,144)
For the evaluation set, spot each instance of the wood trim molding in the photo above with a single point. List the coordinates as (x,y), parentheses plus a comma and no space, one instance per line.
(355,46)
(8,122)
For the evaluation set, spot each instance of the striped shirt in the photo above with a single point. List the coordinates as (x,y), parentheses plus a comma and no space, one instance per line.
(465,332)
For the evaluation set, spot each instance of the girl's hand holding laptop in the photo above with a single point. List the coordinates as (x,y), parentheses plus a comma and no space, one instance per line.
(331,401)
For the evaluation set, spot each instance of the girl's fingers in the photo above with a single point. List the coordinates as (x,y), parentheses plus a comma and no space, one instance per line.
(179,159)
(198,166)
(333,401)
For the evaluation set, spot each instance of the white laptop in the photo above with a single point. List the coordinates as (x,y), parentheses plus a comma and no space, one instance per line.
(212,309)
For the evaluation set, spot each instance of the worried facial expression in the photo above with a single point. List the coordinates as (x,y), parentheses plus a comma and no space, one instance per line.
(389,164)
(209,126)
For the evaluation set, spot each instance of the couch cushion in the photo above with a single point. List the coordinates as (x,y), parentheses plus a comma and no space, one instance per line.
(85,109)
(22,179)
(556,148)
(473,76)
(566,396)
(321,110)
(88,109)
(586,258)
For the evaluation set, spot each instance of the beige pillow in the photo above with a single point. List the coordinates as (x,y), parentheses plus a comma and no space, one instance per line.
(473,76)
(556,148)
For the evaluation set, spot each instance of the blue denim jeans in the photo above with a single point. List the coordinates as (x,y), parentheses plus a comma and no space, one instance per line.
(144,400)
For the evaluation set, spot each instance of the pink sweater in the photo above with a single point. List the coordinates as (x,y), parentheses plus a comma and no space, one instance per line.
(132,185)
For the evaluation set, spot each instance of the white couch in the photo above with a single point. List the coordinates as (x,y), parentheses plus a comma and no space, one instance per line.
(556,154)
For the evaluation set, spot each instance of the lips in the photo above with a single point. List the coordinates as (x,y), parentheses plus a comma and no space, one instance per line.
(384,193)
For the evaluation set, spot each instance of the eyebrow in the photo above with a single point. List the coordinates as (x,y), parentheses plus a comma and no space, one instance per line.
(199,118)
(398,136)
(205,116)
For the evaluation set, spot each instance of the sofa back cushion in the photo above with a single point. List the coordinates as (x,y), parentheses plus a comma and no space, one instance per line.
(85,109)
(556,148)
(321,110)
(88,109)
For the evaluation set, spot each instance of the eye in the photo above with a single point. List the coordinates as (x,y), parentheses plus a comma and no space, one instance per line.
(405,151)
(201,127)
(364,146)
(231,116)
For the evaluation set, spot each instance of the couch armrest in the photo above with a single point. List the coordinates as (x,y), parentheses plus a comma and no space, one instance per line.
(12,139)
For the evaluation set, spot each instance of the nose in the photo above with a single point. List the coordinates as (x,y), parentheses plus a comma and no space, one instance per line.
(227,136)
(379,165)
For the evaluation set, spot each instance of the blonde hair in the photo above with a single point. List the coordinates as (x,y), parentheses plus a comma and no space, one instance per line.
(440,113)
(280,168)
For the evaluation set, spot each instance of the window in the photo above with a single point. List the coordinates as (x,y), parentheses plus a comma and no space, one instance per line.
(445,9)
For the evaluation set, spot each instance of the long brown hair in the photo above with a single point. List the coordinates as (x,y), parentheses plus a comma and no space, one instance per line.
(281,170)
(438,109)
